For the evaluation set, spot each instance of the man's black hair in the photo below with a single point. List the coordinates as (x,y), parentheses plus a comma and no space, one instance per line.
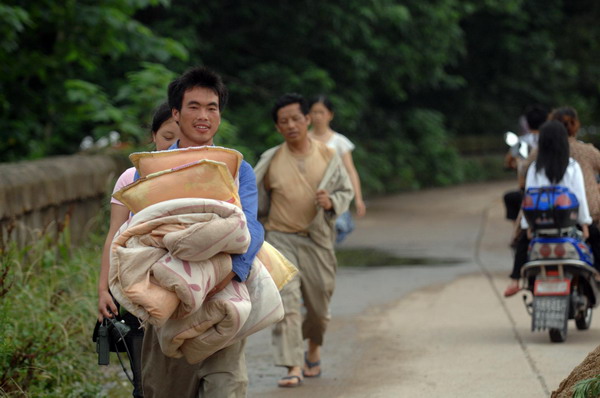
(536,115)
(288,99)
(197,77)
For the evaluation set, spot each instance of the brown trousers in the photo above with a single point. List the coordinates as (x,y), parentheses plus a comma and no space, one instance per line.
(222,375)
(313,287)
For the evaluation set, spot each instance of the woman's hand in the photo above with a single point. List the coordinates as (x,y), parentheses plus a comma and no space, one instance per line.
(106,304)
(585,231)
(361,209)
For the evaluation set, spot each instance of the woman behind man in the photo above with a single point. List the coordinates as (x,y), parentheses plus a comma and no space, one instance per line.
(164,133)
(321,114)
(553,166)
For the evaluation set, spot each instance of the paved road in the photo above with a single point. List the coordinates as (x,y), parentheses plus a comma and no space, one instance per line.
(435,330)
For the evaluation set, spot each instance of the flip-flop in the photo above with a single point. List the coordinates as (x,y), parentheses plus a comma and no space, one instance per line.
(290,378)
(311,365)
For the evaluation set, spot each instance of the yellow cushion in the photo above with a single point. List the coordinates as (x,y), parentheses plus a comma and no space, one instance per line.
(152,162)
(159,302)
(281,269)
(203,179)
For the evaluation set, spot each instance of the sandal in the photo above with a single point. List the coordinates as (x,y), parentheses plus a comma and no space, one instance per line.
(290,385)
(311,365)
(512,289)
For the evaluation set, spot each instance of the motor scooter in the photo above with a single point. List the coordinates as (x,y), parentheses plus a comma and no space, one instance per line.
(560,274)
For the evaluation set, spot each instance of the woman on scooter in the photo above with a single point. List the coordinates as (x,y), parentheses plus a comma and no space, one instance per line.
(553,166)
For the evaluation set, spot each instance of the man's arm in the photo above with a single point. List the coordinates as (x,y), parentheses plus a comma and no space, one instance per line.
(249,197)
(242,263)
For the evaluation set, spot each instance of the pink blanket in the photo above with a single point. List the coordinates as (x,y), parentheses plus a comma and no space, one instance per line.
(170,255)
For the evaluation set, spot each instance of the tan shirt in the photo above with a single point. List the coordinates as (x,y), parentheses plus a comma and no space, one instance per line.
(293,180)
(588,158)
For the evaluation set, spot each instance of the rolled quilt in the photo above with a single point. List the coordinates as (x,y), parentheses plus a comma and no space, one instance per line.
(202,334)
(210,329)
(166,260)
(170,255)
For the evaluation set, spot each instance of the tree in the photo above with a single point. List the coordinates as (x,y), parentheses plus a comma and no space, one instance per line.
(62,65)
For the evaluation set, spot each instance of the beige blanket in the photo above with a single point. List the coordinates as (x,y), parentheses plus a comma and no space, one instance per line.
(167,258)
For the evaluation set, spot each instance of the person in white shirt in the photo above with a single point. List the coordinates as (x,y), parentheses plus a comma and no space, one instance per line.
(321,114)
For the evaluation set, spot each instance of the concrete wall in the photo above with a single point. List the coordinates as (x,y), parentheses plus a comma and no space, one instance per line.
(45,195)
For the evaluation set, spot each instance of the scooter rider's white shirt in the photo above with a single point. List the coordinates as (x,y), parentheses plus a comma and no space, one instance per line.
(573,179)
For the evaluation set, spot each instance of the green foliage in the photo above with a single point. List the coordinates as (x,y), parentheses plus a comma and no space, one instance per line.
(405,76)
(435,162)
(485,168)
(78,48)
(13,20)
(588,388)
(47,301)
(143,90)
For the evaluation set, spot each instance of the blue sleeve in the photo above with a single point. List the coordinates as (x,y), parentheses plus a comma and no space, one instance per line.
(249,197)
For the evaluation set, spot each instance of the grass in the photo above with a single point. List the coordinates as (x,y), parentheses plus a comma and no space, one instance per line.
(588,388)
(47,314)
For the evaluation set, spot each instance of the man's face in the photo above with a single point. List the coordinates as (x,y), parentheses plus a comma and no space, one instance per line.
(199,117)
(292,124)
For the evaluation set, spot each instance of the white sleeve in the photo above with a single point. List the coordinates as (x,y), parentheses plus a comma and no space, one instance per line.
(578,188)
(344,144)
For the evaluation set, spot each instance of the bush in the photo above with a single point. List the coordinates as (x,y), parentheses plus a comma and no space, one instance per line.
(47,311)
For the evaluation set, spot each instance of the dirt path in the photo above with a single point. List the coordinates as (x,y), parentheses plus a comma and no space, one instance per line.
(421,331)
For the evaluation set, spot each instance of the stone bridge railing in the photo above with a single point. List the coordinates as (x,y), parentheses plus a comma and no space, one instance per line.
(43,196)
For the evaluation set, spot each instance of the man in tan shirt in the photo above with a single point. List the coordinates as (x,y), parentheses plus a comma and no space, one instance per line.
(303,187)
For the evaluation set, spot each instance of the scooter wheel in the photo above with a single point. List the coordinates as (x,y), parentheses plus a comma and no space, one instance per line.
(584,319)
(557,335)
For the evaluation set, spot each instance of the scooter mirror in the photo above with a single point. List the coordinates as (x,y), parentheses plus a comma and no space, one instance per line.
(511,138)
(524,150)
